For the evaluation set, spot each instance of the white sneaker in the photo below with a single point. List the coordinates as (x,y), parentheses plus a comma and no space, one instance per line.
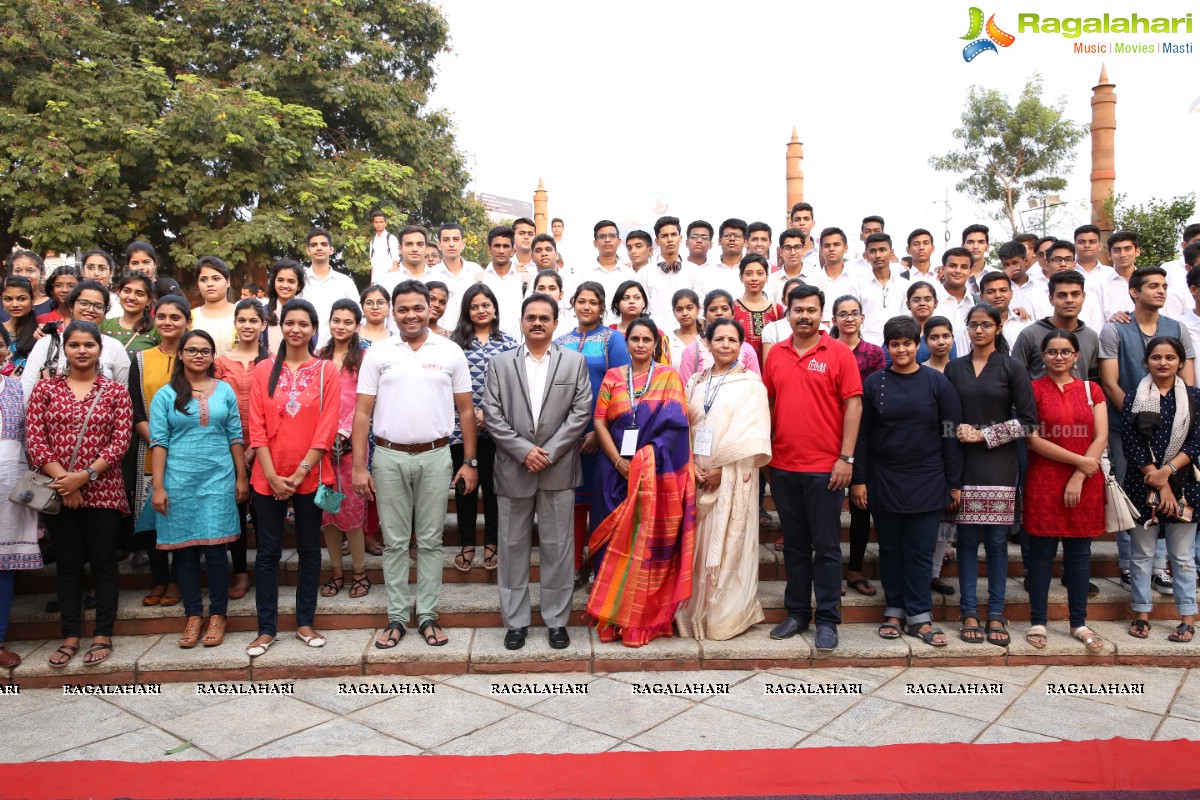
(1162,582)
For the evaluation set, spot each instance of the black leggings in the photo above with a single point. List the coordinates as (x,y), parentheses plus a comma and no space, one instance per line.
(86,534)
(860,531)
(466,504)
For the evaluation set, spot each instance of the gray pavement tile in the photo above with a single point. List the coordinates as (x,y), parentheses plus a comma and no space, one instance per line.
(142,745)
(915,687)
(756,644)
(527,732)
(1187,701)
(67,724)
(999,734)
(805,712)
(704,727)
(1178,728)
(324,692)
(1076,718)
(697,685)
(167,655)
(337,737)
(29,701)
(871,677)
(817,740)
(342,648)
(1159,683)
(666,649)
(488,647)
(860,642)
(517,689)
(875,721)
(626,747)
(260,719)
(429,720)
(175,700)
(610,707)
(1017,676)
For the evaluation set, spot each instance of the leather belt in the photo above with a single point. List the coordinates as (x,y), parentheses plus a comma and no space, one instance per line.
(423,447)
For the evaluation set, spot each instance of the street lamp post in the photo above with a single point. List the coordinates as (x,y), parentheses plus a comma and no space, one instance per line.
(1044,202)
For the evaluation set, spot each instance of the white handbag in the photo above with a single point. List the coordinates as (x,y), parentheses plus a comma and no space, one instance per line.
(1120,514)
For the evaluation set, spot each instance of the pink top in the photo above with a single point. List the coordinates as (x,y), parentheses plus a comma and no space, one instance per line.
(293,422)
(240,378)
(349,382)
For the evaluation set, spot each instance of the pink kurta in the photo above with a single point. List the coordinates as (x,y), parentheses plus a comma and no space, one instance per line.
(292,422)
(352,515)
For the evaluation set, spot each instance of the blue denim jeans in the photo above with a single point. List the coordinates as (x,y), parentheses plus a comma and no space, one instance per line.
(906,543)
(995,543)
(1077,555)
(269,536)
(187,559)
(1181,547)
(1116,454)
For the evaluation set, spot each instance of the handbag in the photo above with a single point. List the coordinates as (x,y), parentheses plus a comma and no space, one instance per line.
(1120,514)
(33,489)
(327,499)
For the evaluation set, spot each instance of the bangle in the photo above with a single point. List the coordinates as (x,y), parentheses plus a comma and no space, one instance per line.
(1174,469)
(306,466)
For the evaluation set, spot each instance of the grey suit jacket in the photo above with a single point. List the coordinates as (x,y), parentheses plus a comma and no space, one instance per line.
(566,407)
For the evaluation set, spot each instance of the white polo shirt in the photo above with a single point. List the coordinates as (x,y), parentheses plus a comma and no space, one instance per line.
(323,293)
(414,389)
(458,285)
(510,292)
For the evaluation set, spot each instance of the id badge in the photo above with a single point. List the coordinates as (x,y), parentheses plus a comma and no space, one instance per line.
(702,446)
(629,443)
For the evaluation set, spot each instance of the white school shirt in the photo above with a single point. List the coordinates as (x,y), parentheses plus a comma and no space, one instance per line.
(323,293)
(662,285)
(383,250)
(510,292)
(1191,321)
(610,279)
(718,276)
(458,285)
(414,390)
(1179,297)
(1034,296)
(880,303)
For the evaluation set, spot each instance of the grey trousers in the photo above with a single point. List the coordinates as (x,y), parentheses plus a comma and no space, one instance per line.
(555,515)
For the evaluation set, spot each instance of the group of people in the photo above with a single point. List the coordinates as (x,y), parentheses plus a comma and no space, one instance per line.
(952,405)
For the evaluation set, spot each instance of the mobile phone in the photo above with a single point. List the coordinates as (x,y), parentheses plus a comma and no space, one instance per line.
(460,485)
(49,328)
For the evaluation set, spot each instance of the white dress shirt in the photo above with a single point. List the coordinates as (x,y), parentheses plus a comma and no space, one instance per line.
(384,250)
(323,293)
(458,284)
(880,302)
(718,276)
(1179,297)
(537,370)
(662,284)
(510,293)
(1034,296)
(610,279)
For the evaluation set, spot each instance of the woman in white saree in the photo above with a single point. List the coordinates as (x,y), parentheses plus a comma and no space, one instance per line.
(731,440)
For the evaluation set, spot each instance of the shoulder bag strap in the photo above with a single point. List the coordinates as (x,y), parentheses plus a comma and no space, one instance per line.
(321,413)
(83,430)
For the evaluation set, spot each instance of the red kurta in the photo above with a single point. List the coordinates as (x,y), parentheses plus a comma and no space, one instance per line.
(1066,420)
(292,422)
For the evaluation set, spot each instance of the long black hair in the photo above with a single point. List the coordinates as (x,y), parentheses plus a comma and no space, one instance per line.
(66,270)
(179,381)
(147,323)
(354,355)
(254,304)
(295,304)
(273,316)
(464,331)
(25,327)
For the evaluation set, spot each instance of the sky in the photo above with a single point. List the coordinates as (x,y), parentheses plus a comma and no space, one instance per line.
(623,108)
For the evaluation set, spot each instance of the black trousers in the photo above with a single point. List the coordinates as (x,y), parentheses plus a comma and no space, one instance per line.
(810,515)
(86,535)
(465,504)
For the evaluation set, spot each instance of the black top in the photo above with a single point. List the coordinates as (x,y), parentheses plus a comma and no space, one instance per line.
(907,449)
(1001,392)
(1138,446)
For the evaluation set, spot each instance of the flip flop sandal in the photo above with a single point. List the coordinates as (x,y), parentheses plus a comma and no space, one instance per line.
(393,633)
(889,630)
(360,587)
(490,562)
(462,561)
(1002,639)
(862,586)
(68,650)
(97,647)
(333,586)
(1034,634)
(1090,639)
(1139,629)
(1181,631)
(927,636)
(966,629)
(431,639)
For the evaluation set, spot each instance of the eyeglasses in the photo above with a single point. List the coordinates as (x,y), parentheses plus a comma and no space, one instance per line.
(96,269)
(848,314)
(1067,353)
(192,352)
(375,304)
(980,326)
(699,237)
(1062,260)
(88,305)
(792,248)
(607,237)
(732,236)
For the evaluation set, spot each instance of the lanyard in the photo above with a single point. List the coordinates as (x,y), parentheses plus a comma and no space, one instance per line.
(633,395)
(710,394)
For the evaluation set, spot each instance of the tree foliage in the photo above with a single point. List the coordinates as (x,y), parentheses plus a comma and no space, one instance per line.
(1007,152)
(1158,224)
(224,128)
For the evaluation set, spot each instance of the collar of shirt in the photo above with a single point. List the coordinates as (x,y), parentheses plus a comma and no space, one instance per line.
(431,339)
(512,272)
(310,275)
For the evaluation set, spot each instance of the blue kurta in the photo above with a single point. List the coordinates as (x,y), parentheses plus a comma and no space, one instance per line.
(199,478)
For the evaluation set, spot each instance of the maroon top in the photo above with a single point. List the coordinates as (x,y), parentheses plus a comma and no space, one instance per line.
(52,424)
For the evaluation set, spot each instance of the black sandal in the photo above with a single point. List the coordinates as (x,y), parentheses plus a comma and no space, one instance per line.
(363,584)
(1139,629)
(926,637)
(1001,633)
(1181,630)
(889,630)
(862,586)
(941,587)
(97,647)
(462,561)
(966,629)
(431,638)
(333,586)
(493,557)
(68,650)
(393,627)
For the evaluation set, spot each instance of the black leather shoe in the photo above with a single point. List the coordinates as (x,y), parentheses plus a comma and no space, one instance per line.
(515,638)
(559,638)
(788,628)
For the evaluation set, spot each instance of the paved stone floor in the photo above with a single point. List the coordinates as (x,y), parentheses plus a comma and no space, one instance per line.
(489,714)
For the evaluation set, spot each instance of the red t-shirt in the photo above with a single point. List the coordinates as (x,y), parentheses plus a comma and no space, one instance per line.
(809,394)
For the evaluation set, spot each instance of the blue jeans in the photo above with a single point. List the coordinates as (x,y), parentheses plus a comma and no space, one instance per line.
(1116,454)
(1077,555)
(1180,542)
(995,544)
(271,515)
(187,559)
(811,517)
(906,543)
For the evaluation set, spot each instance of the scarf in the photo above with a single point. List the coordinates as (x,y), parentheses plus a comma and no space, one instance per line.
(1147,416)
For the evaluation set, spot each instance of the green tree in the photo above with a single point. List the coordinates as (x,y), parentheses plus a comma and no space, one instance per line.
(1009,151)
(221,128)
(1158,224)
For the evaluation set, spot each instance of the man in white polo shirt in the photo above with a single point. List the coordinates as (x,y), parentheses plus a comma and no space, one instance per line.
(384,249)
(324,285)
(409,387)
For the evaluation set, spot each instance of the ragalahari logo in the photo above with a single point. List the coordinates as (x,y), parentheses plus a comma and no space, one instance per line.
(995,36)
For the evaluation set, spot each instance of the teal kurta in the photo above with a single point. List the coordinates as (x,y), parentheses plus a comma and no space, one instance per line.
(200,479)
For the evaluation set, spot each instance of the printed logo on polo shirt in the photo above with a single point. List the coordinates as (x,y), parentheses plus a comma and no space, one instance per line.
(816,366)
(432,366)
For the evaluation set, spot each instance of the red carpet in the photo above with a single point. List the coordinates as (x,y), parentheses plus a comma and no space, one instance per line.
(1116,769)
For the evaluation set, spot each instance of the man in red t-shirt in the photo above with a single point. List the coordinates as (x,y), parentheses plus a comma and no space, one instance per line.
(815,393)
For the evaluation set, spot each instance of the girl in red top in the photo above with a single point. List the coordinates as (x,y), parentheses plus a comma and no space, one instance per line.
(755,310)
(89,481)
(59,286)
(293,421)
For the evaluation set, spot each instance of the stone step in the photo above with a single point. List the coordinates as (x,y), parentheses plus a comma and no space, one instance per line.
(477,605)
(770,567)
(350,654)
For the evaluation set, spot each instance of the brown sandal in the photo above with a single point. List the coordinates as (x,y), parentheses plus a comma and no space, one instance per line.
(215,635)
(68,650)
(360,587)
(155,597)
(237,591)
(191,633)
(97,649)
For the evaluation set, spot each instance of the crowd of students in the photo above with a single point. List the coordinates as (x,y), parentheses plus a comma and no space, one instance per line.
(954,404)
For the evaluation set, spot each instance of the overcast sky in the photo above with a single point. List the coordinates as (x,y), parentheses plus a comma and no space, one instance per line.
(622,106)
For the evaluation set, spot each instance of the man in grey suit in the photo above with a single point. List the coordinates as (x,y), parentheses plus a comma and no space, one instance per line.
(536,403)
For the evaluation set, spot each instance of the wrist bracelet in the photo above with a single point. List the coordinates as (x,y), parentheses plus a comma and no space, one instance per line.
(1174,469)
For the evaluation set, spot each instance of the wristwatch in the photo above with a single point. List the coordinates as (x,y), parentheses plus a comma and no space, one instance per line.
(91,473)
(307,467)
(847,459)
(473,463)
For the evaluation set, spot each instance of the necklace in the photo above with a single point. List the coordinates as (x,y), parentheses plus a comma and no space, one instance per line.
(634,394)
